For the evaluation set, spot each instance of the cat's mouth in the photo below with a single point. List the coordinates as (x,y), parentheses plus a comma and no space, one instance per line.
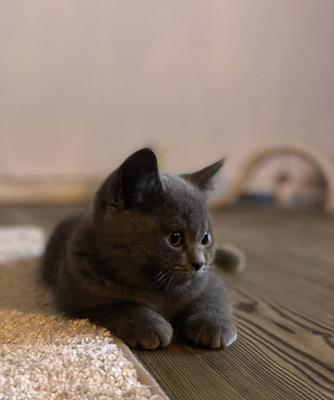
(182,276)
(180,279)
(170,278)
(175,276)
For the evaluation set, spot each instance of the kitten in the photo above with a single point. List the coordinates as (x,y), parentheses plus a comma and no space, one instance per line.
(138,259)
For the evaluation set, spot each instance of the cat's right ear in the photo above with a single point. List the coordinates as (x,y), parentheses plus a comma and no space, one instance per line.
(135,184)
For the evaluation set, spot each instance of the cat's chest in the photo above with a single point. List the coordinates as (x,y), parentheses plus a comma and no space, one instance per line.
(167,309)
(170,305)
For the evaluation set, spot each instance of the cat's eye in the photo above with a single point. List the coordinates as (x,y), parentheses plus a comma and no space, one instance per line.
(175,238)
(206,239)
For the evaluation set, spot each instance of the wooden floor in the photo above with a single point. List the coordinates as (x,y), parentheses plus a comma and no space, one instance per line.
(284,311)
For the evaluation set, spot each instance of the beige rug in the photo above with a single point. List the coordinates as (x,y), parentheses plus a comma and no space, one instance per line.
(45,356)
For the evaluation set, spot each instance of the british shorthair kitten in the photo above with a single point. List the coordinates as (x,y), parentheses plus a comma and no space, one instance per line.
(139,259)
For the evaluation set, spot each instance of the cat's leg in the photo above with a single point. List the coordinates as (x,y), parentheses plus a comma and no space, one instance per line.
(136,325)
(208,320)
(79,287)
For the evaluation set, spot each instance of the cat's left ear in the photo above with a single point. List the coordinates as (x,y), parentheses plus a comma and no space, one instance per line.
(203,179)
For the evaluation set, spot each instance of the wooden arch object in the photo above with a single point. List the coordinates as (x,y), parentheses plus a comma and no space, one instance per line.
(320,162)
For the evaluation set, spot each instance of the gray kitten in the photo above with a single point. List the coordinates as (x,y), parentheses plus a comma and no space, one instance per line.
(138,259)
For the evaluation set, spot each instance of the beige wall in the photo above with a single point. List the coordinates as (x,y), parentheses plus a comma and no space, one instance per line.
(84,83)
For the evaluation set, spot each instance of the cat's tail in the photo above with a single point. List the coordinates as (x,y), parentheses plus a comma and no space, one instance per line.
(230,258)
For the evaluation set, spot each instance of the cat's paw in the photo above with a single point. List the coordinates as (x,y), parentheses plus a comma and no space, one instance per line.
(212,330)
(149,332)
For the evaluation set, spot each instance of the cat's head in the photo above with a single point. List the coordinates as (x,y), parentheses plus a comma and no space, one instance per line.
(154,229)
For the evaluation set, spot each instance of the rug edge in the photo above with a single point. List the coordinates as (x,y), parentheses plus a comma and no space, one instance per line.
(144,377)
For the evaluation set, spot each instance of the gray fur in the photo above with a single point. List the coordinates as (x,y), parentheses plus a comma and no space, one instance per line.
(112,262)
(230,258)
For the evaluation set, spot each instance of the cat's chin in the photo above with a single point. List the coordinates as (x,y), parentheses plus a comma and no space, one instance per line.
(182,280)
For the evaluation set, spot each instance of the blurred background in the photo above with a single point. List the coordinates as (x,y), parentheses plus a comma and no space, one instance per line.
(84,84)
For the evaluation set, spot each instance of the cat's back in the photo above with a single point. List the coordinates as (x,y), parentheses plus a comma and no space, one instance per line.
(55,251)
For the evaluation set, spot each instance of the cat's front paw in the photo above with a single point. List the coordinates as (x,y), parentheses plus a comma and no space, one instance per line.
(212,330)
(149,332)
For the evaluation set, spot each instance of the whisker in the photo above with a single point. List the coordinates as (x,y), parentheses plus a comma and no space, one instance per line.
(159,274)
(159,280)
(156,279)
(168,286)
(163,281)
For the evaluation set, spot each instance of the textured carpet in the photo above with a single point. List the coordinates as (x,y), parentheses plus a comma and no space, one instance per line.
(46,356)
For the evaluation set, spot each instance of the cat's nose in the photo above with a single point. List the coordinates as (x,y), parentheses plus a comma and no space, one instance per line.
(197,265)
